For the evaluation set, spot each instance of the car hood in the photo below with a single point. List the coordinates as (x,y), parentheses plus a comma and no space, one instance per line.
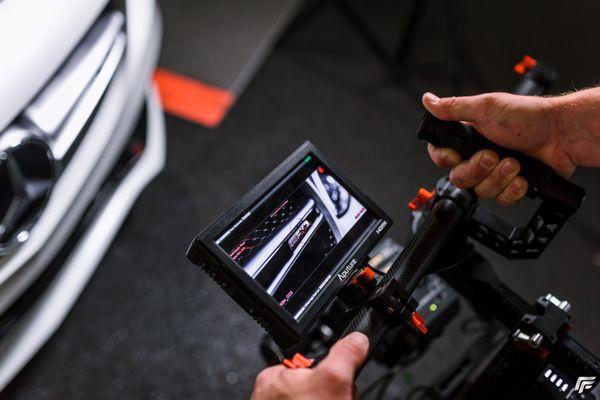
(35,38)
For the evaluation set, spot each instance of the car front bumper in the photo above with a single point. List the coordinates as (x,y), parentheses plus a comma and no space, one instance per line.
(41,281)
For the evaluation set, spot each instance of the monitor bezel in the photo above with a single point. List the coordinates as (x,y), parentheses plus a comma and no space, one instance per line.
(359,252)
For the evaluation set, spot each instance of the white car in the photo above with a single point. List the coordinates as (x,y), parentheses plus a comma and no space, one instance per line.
(81,134)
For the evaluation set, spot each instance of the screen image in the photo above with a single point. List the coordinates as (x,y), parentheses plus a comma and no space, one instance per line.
(291,242)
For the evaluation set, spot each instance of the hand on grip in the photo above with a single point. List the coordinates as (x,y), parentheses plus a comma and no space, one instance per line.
(332,378)
(496,171)
(488,174)
(524,123)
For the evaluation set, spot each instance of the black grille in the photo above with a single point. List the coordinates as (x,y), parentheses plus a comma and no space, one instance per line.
(26,177)
(267,229)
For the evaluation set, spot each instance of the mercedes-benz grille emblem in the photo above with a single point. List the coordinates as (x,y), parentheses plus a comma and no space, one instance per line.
(26,178)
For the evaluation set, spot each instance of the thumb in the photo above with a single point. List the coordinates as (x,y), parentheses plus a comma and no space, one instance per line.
(467,108)
(347,354)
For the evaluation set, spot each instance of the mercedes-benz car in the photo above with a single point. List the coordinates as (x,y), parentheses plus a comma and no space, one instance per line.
(81,135)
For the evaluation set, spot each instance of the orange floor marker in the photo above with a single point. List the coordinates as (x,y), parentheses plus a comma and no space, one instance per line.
(192,100)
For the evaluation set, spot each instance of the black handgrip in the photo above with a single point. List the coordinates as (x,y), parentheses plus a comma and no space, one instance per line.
(413,263)
(544,183)
(369,321)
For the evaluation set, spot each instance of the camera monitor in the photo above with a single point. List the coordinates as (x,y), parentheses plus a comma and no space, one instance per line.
(284,250)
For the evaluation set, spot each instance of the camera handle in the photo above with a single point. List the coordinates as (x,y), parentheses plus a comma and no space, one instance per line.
(560,198)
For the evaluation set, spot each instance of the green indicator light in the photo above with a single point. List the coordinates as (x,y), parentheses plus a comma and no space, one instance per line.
(433,307)
(308,158)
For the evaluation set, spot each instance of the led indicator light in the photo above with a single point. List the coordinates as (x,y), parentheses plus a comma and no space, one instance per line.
(321,170)
(433,307)
(307,159)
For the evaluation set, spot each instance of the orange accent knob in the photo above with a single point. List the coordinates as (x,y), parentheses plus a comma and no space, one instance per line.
(365,277)
(298,361)
(423,196)
(289,363)
(525,64)
(367,274)
(301,360)
(417,321)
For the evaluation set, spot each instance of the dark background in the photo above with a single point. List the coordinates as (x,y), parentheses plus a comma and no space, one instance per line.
(151,325)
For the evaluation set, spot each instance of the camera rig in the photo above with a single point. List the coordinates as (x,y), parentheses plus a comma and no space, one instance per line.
(538,360)
(405,292)
(302,254)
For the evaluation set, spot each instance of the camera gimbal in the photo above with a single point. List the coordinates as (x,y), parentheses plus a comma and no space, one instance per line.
(536,359)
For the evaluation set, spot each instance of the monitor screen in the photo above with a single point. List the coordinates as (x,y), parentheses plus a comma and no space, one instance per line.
(292,241)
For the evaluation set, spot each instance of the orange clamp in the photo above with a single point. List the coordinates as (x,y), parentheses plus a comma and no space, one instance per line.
(298,361)
(525,64)
(367,275)
(423,196)
(418,322)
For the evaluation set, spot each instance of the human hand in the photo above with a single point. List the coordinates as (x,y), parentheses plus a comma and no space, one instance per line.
(525,123)
(332,378)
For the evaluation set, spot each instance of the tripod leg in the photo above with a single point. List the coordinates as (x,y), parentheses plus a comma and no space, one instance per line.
(407,39)
(365,32)
(306,14)
(460,62)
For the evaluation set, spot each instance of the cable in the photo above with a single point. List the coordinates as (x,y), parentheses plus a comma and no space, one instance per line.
(419,390)
(384,380)
(473,325)
(376,383)
(415,391)
(383,388)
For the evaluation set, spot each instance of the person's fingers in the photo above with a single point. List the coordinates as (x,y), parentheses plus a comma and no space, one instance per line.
(502,175)
(266,381)
(269,374)
(471,172)
(443,157)
(346,356)
(467,108)
(513,192)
